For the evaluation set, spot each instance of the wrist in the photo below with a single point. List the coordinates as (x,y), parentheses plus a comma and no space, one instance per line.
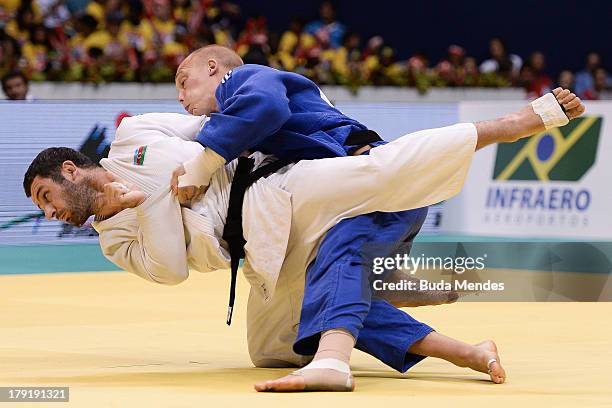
(199,170)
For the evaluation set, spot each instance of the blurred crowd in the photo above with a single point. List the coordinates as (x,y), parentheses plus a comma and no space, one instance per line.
(145,40)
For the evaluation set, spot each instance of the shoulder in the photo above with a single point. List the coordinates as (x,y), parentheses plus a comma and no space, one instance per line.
(248,76)
(132,125)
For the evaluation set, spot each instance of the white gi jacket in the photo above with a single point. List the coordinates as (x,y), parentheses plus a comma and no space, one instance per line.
(285,216)
(159,240)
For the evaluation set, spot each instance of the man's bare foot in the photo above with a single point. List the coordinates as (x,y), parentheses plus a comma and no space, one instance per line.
(309,380)
(485,359)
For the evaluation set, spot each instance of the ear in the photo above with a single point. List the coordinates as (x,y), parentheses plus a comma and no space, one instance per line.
(213,67)
(70,171)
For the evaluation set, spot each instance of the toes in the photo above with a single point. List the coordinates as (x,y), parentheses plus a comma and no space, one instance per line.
(497,373)
(261,387)
(290,383)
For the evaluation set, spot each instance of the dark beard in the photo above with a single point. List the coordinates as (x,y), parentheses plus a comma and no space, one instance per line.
(80,198)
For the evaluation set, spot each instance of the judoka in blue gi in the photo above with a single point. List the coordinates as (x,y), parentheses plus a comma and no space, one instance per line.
(256,108)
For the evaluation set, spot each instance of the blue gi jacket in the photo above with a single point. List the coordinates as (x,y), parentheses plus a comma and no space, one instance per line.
(275,112)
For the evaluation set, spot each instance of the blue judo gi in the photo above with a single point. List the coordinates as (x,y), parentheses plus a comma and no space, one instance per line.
(287,115)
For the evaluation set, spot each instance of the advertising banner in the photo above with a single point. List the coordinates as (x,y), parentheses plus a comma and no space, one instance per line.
(555,184)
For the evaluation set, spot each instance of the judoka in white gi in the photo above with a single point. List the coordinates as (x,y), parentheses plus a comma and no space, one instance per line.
(285,215)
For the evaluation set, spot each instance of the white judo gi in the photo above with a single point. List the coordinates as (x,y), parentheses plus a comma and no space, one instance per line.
(285,216)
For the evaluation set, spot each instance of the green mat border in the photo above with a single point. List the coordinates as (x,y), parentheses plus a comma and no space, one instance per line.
(28,259)
(56,258)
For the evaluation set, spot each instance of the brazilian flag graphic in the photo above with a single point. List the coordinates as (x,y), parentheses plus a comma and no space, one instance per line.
(560,154)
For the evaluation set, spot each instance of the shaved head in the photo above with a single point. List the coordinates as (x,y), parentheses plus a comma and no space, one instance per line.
(224,56)
(200,74)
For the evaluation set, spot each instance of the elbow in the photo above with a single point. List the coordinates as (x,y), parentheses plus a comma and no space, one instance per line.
(170,276)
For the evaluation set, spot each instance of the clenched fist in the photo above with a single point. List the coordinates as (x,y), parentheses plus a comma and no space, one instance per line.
(572,105)
(123,195)
(185,194)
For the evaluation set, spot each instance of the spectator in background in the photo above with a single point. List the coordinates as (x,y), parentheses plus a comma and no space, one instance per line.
(15,86)
(472,74)
(566,80)
(585,79)
(328,31)
(502,64)
(533,78)
(346,60)
(54,13)
(600,83)
(419,74)
(451,70)
(36,52)
(258,50)
(96,9)
(286,57)
(10,53)
(87,36)
(19,28)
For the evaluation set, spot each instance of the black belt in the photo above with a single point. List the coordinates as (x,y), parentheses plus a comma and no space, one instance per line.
(232,232)
(360,138)
(243,178)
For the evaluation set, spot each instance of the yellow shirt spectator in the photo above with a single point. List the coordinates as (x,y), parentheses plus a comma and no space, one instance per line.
(96,10)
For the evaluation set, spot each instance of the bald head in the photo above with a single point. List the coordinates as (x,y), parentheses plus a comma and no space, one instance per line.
(223,56)
(199,75)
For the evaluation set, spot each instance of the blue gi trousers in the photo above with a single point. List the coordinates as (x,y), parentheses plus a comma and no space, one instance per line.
(337,293)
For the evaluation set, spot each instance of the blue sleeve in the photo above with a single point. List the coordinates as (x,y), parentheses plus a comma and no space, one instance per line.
(254,105)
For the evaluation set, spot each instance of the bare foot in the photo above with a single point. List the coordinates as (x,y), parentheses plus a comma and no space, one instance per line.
(309,380)
(486,360)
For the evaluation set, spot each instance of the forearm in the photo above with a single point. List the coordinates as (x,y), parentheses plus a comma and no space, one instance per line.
(200,169)
(508,128)
(543,113)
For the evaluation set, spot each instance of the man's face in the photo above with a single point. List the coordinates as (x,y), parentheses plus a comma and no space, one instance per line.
(16,89)
(196,83)
(67,201)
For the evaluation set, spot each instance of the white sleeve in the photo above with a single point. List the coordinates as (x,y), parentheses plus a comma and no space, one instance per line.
(154,248)
(155,125)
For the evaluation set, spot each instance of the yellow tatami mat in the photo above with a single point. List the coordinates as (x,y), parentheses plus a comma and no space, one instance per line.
(118,341)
